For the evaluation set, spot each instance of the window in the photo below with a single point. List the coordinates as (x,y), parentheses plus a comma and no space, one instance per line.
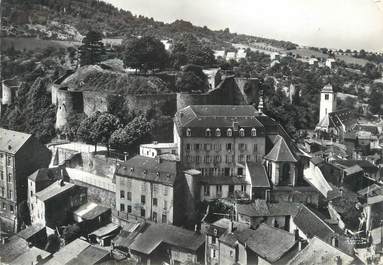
(218,132)
(255,148)
(240,171)
(9,177)
(229,159)
(154,217)
(240,158)
(227,171)
(217,159)
(166,190)
(31,193)
(155,202)
(196,147)
(215,171)
(231,253)
(9,194)
(248,157)
(122,194)
(326,96)
(207,147)
(11,208)
(164,218)
(1,175)
(4,206)
(8,160)
(188,132)
(242,146)
(242,132)
(219,189)
(213,239)
(129,208)
(243,188)
(188,147)
(197,159)
(207,159)
(129,196)
(228,147)
(253,132)
(165,205)
(122,207)
(229,132)
(213,253)
(142,212)
(217,147)
(206,190)
(208,132)
(143,199)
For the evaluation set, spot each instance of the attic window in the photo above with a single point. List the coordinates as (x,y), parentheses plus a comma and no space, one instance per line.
(131,169)
(208,132)
(158,174)
(242,132)
(229,132)
(188,132)
(215,231)
(253,132)
(145,172)
(218,132)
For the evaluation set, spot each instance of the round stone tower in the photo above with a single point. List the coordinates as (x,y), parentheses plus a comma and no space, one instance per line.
(68,102)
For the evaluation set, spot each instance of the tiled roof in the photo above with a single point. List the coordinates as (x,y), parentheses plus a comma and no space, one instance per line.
(262,208)
(217,116)
(319,252)
(258,174)
(268,242)
(365,164)
(149,169)
(353,170)
(54,190)
(281,152)
(147,241)
(89,256)
(342,117)
(311,224)
(12,141)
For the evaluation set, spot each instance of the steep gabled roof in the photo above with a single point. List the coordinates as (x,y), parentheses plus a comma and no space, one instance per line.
(258,174)
(54,189)
(281,152)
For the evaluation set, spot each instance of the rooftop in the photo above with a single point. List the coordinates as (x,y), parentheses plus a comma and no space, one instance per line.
(105,230)
(14,247)
(149,169)
(90,210)
(89,256)
(44,174)
(68,252)
(149,239)
(160,145)
(319,252)
(12,141)
(222,180)
(31,255)
(281,152)
(263,208)
(258,174)
(217,116)
(30,231)
(53,190)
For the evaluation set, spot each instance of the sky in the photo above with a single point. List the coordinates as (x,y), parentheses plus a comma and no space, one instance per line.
(337,24)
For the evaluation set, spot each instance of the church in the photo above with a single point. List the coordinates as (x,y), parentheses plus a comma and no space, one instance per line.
(333,123)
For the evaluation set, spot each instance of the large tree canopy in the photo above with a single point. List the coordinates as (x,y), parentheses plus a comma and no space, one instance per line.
(92,50)
(146,53)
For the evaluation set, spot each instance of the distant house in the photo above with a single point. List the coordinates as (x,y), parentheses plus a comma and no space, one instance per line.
(167,243)
(313,61)
(320,252)
(219,54)
(330,62)
(35,235)
(54,205)
(157,149)
(20,155)
(92,216)
(230,56)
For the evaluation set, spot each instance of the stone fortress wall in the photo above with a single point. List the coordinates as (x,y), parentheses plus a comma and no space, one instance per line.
(231,91)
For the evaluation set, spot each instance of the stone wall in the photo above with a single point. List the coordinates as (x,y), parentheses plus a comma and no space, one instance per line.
(95,101)
(68,102)
(98,195)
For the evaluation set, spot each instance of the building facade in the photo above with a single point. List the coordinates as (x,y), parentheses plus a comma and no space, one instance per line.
(20,155)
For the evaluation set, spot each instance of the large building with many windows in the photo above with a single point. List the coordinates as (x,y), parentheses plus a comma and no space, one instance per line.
(150,188)
(20,155)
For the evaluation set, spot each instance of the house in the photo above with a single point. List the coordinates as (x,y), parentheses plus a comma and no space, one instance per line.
(370,170)
(20,155)
(105,234)
(54,205)
(90,256)
(313,61)
(42,178)
(159,243)
(260,184)
(219,54)
(279,215)
(265,245)
(157,149)
(330,62)
(150,189)
(320,252)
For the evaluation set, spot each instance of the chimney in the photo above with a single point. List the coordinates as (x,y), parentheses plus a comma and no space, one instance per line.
(125,156)
(334,241)
(62,183)
(231,227)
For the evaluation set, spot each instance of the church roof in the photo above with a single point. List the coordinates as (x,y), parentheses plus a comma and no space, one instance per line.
(327,88)
(281,152)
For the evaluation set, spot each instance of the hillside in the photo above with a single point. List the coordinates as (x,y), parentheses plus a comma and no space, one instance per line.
(67,19)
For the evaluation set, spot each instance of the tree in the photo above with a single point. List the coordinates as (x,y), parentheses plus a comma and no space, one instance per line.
(53,243)
(146,53)
(86,131)
(375,101)
(192,79)
(131,134)
(73,123)
(92,50)
(104,126)
(71,232)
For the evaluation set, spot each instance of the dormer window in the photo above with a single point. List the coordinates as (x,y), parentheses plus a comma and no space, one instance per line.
(131,169)
(188,132)
(242,132)
(145,172)
(218,132)
(253,132)
(208,132)
(229,132)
